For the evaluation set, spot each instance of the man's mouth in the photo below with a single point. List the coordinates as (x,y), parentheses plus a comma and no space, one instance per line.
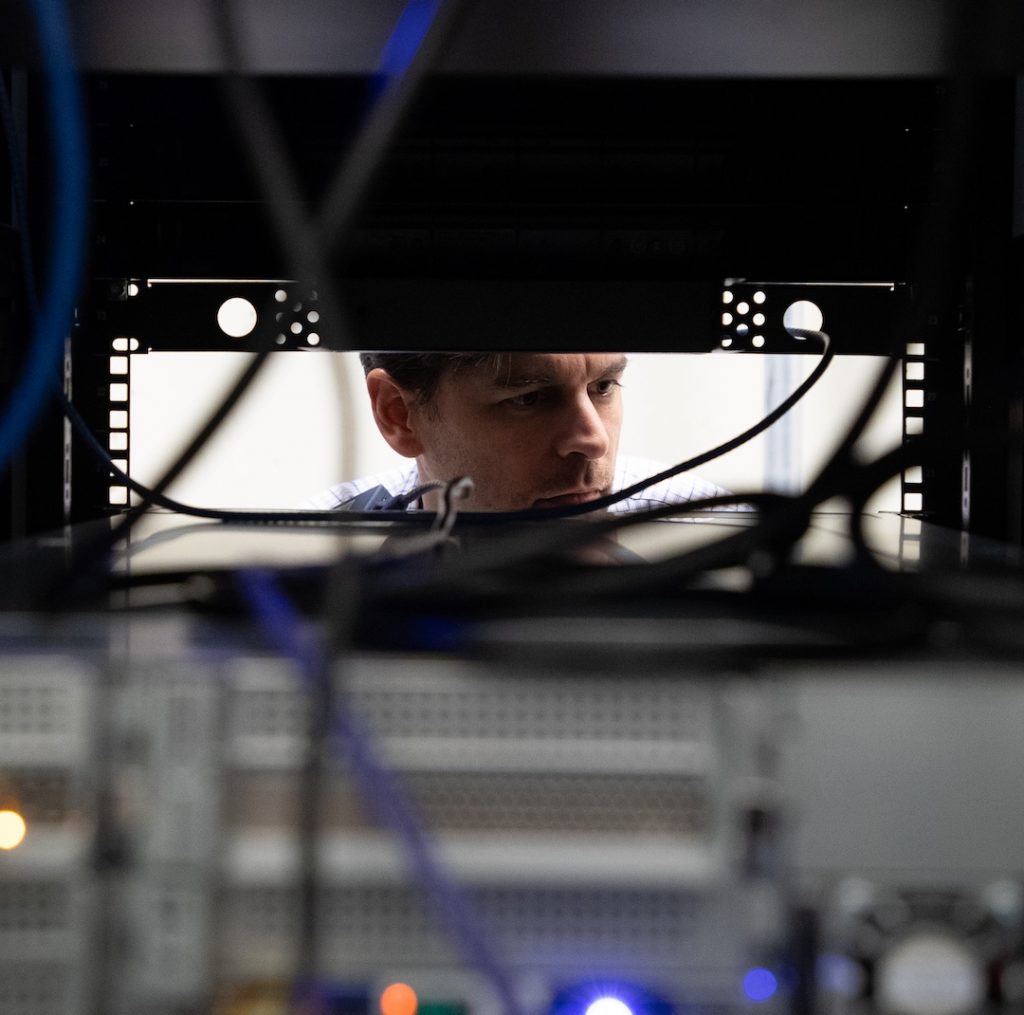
(567,499)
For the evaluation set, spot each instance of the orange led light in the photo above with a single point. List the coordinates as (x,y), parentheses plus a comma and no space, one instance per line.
(398,999)
(12,830)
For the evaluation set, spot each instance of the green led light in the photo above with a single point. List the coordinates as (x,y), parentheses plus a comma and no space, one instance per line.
(442,1008)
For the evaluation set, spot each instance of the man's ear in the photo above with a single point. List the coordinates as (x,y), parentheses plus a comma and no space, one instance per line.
(391,406)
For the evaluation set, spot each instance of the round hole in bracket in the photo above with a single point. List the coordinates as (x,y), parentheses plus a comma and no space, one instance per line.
(280,339)
(133,289)
(757,341)
(133,345)
(727,297)
(742,330)
(297,308)
(726,319)
(802,316)
(726,342)
(759,297)
(296,328)
(236,317)
(313,296)
(280,296)
(313,338)
(742,308)
(758,319)
(313,316)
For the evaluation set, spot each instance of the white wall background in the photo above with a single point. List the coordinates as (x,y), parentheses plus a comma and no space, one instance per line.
(282,444)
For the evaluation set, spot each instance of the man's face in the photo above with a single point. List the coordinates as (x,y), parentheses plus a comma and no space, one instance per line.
(540,430)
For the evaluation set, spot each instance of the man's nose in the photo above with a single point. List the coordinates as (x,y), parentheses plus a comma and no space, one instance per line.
(582,431)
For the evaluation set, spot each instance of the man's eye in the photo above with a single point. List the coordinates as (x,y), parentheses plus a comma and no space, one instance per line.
(523,401)
(605,387)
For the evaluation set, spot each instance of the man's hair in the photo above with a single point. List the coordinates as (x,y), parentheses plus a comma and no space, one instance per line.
(421,372)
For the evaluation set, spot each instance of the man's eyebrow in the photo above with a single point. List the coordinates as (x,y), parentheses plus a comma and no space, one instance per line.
(520,380)
(531,379)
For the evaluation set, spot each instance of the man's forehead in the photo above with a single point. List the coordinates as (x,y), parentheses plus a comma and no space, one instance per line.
(519,369)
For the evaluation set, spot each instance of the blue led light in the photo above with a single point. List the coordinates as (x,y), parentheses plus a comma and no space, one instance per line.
(609,997)
(839,974)
(608,1006)
(760,984)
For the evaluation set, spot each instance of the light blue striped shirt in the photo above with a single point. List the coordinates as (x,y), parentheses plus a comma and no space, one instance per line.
(628,470)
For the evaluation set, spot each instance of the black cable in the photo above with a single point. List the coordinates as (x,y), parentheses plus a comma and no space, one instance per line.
(273,173)
(400,502)
(82,577)
(278,181)
(781,520)
(509,566)
(967,36)
(238,516)
(69,199)
(269,162)
(780,525)
(455,489)
(762,549)
(14,164)
(150,496)
(693,463)
(195,445)
(226,515)
(600,503)
(932,259)
(268,158)
(501,551)
(80,426)
(495,578)
(828,353)
(353,176)
(271,165)
(307,254)
(506,553)
(104,458)
(31,292)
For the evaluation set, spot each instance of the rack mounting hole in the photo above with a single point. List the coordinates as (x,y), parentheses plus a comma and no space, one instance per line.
(802,316)
(236,317)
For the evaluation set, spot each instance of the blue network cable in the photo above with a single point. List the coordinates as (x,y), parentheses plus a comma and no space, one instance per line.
(378,788)
(68,219)
(20,202)
(404,42)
